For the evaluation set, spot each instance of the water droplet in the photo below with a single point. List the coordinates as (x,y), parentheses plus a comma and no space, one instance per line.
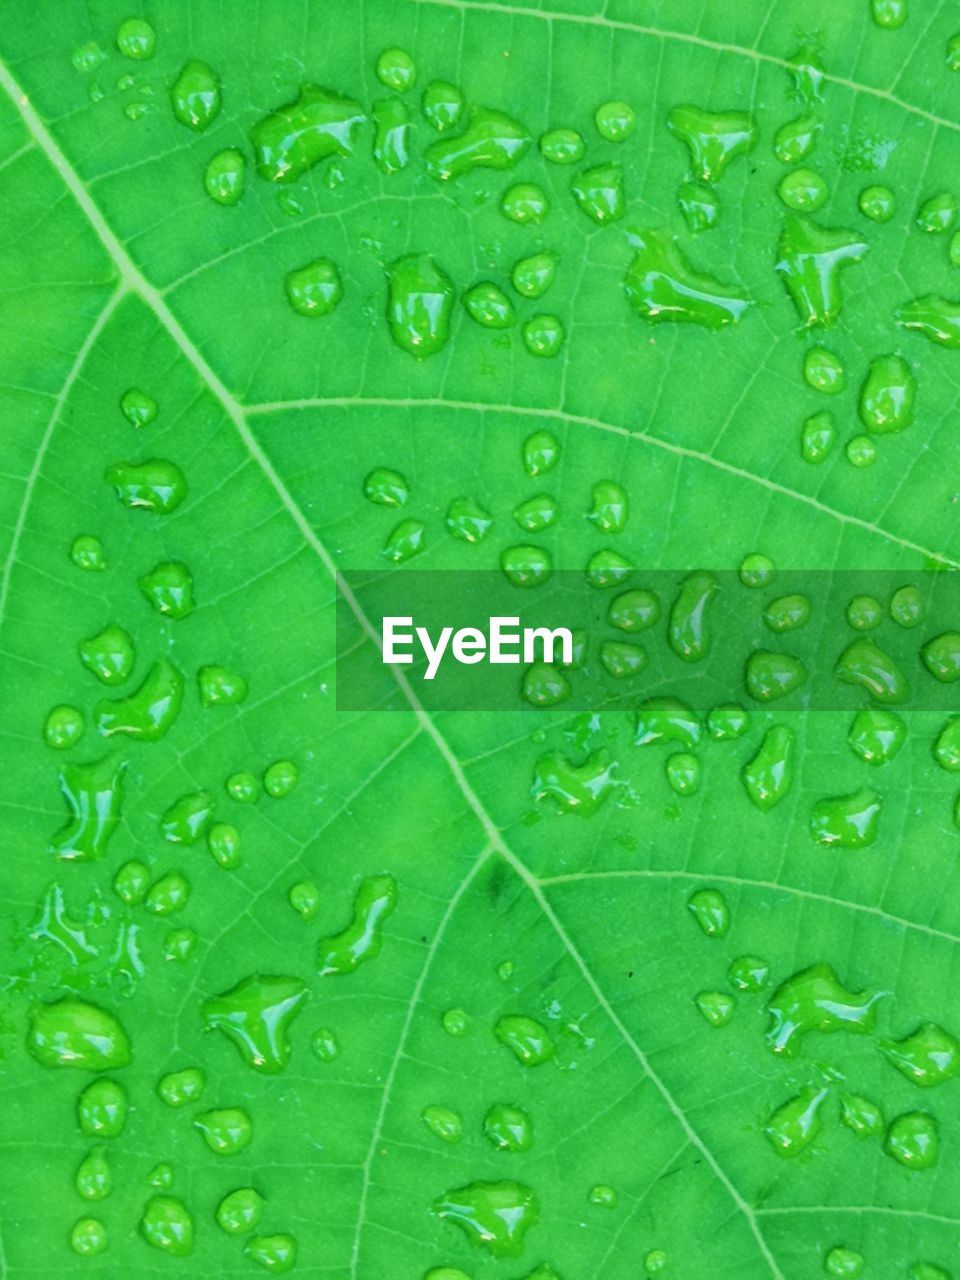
(94,795)
(840,1261)
(634,611)
(876,736)
(495,1214)
(928,1270)
(865,664)
(72,1033)
(442,105)
(508,1128)
(396,69)
(818,437)
(137,407)
(468,520)
(599,193)
(167,1225)
(935,317)
(179,1088)
(256,1015)
(937,215)
(700,206)
(525,203)
(541,452)
(727,722)
(158,485)
(226,1130)
(906,607)
(803,190)
(749,973)
(443,1123)
(148,713)
(87,57)
(544,686)
(491,140)
(87,553)
(655,1262)
(89,1237)
(404,542)
(769,775)
(109,655)
(824,371)
(877,203)
(168,894)
(770,676)
(887,395)
(455,1022)
(276,1253)
(667,720)
(848,821)
(64,726)
(713,138)
(315,289)
(927,1057)
(941,656)
(280,778)
(946,749)
(709,908)
(787,613)
(169,588)
(386,488)
(621,659)
(528,1040)
(526,566)
(225,177)
(178,945)
(688,633)
(239,1211)
(607,569)
(861,451)
(391,146)
(562,146)
(419,305)
(489,306)
(574,788)
(242,787)
(715,1006)
(860,1115)
(102,1109)
(603,1196)
(864,613)
(298,136)
(815,1000)
(187,819)
(220,687)
(756,570)
(325,1044)
(536,513)
(661,285)
(360,941)
(93,1180)
(195,97)
(807,72)
(136,39)
(615,121)
(811,259)
(610,507)
(796,139)
(131,882)
(954,251)
(793,1126)
(533,276)
(912,1140)
(953,53)
(543,335)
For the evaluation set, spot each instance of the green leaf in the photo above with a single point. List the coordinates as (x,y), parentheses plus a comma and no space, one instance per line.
(353,991)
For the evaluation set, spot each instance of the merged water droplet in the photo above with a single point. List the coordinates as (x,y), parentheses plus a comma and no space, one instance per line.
(661,285)
(810,263)
(700,206)
(815,1000)
(927,1057)
(72,1033)
(863,663)
(94,796)
(933,316)
(689,634)
(491,140)
(496,1215)
(149,713)
(848,821)
(361,940)
(574,788)
(796,139)
(293,139)
(195,96)
(256,1015)
(713,138)
(391,145)
(157,485)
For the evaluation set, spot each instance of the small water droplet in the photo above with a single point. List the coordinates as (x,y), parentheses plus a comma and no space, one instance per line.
(109,655)
(443,1123)
(525,203)
(64,726)
(793,1126)
(864,613)
(937,215)
(749,973)
(168,895)
(489,306)
(863,663)
(887,395)
(727,722)
(157,485)
(280,778)
(906,606)
(528,1040)
(168,1226)
(848,821)
(933,316)
(860,1115)
(102,1109)
(603,1196)
(615,121)
(195,97)
(912,1140)
(315,289)
(769,775)
(239,1211)
(89,1237)
(305,898)
(941,656)
(802,190)
(716,1007)
(824,371)
(87,553)
(700,206)
(709,908)
(386,488)
(541,452)
(226,1130)
(533,276)
(93,1180)
(562,146)
(841,1261)
(419,305)
(927,1057)
(396,69)
(468,520)
(689,634)
(818,437)
(666,720)
(325,1044)
(543,335)
(526,566)
(136,39)
(179,1088)
(796,139)
(770,675)
(131,882)
(876,736)
(877,203)
(599,193)
(442,105)
(509,1128)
